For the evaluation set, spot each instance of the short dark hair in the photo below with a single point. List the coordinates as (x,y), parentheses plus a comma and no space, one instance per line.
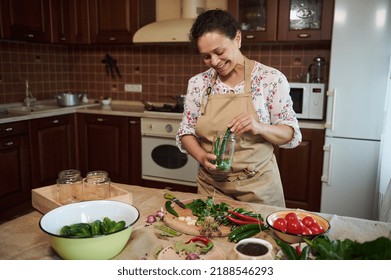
(214,20)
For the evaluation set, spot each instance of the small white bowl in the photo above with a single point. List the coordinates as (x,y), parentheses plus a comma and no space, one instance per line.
(106,101)
(102,247)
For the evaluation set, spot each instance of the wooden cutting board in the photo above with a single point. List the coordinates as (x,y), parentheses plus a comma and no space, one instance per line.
(180,225)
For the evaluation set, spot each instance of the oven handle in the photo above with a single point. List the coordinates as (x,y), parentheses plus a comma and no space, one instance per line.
(154,135)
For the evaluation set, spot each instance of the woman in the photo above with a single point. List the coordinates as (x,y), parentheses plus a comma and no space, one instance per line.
(249,98)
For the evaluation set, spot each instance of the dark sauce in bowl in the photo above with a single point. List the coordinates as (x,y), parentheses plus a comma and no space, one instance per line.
(252,249)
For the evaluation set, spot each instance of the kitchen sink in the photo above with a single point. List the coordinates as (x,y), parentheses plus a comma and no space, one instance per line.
(37,108)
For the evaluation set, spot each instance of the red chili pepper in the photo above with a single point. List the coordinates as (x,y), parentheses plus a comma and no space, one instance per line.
(245,217)
(243,222)
(205,240)
(298,250)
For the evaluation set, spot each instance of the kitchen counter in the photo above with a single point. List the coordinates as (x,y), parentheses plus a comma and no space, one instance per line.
(22,238)
(119,108)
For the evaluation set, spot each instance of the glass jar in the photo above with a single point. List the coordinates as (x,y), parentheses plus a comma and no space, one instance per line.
(224,149)
(96,185)
(69,186)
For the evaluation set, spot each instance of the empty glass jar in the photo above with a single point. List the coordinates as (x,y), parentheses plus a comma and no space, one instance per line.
(70,186)
(96,185)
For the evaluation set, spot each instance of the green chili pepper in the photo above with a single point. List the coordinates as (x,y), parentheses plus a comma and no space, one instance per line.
(170,209)
(246,234)
(242,229)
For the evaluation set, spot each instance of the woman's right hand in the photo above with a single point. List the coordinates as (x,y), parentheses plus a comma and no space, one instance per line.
(205,160)
(191,145)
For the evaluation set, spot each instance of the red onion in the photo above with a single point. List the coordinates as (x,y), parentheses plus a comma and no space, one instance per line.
(159,214)
(151,219)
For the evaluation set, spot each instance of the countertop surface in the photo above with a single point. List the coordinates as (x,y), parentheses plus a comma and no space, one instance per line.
(22,239)
(117,107)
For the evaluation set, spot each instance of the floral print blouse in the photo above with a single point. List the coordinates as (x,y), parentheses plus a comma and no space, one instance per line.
(269,92)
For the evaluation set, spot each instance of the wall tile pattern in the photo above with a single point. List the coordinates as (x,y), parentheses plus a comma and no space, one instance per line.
(162,70)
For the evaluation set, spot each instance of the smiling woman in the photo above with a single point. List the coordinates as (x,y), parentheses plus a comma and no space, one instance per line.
(247,99)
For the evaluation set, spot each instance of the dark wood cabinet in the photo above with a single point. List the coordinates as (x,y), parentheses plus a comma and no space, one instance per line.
(69,21)
(117,21)
(53,148)
(258,19)
(301,171)
(26,20)
(15,190)
(103,142)
(306,20)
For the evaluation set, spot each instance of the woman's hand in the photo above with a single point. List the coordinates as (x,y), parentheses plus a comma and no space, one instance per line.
(243,123)
(191,145)
(278,134)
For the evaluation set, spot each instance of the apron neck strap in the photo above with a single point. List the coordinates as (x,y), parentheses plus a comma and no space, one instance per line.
(248,67)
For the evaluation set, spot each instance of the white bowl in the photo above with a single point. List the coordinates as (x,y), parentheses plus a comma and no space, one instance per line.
(106,101)
(101,247)
(296,238)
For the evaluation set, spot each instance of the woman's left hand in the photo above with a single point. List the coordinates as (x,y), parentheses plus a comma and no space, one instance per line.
(243,123)
(275,134)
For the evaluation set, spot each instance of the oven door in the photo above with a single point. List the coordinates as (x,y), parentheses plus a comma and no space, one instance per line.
(300,97)
(163,161)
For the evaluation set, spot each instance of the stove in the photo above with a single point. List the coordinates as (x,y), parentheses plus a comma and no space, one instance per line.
(166,108)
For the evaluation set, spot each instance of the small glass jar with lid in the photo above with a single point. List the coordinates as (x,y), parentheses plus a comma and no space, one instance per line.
(96,185)
(69,186)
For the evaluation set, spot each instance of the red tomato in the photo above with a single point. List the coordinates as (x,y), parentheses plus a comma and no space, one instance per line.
(280,224)
(316,228)
(291,217)
(308,221)
(294,226)
(306,231)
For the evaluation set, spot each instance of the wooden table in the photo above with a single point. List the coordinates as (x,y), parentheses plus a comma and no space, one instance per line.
(22,238)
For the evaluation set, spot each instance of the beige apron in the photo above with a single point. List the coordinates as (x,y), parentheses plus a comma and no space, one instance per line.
(254,175)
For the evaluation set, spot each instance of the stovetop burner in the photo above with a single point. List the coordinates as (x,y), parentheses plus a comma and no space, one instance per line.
(167,108)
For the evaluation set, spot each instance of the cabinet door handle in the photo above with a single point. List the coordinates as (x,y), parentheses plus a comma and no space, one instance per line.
(8,129)
(30,35)
(112,39)
(304,35)
(133,122)
(55,121)
(250,37)
(100,120)
(8,144)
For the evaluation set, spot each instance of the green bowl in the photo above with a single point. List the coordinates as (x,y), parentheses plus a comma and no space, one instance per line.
(102,247)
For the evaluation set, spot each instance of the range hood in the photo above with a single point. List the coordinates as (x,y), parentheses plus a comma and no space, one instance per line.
(174,19)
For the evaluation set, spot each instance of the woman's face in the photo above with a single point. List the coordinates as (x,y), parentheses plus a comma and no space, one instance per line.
(220,52)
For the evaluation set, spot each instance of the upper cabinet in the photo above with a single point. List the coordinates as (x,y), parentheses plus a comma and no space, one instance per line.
(117,21)
(26,20)
(301,20)
(257,18)
(283,20)
(70,25)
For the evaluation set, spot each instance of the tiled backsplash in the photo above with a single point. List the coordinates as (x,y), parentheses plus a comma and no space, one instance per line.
(162,70)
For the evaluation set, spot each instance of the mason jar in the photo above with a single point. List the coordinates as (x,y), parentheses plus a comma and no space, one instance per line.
(224,149)
(96,185)
(69,186)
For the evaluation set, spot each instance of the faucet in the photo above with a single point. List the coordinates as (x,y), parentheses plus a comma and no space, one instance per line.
(29,97)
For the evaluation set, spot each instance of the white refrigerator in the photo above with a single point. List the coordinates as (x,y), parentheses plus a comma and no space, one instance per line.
(357,89)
